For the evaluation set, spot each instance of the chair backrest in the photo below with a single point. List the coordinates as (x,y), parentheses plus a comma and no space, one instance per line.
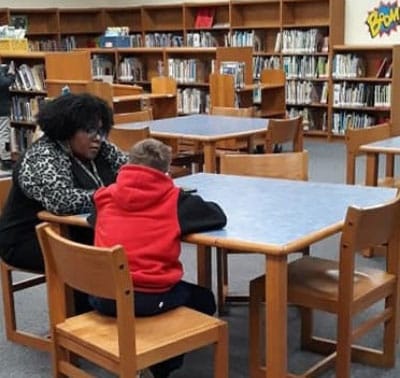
(139,116)
(366,228)
(232,111)
(125,138)
(354,138)
(97,271)
(5,186)
(287,165)
(288,130)
(163,85)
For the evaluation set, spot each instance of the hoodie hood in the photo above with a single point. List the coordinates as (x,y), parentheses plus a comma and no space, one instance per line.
(138,187)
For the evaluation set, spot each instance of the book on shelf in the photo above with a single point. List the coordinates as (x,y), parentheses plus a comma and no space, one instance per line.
(204,18)
(388,73)
(236,69)
(381,71)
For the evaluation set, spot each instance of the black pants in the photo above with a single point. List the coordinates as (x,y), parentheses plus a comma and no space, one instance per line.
(147,304)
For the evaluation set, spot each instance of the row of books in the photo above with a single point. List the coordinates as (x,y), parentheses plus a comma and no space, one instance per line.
(261,63)
(245,38)
(44,45)
(361,94)
(163,40)
(306,92)
(102,65)
(20,139)
(313,119)
(29,78)
(201,39)
(189,70)
(193,101)
(24,108)
(353,65)
(301,41)
(344,120)
(305,67)
(348,66)
(131,69)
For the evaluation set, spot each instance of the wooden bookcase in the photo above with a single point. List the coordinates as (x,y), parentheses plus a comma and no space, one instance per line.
(26,98)
(264,21)
(377,69)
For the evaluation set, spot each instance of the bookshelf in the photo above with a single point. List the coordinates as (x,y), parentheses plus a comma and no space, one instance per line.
(261,24)
(27,93)
(365,87)
(309,30)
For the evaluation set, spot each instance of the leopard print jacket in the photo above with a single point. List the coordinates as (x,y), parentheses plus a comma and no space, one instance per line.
(46,176)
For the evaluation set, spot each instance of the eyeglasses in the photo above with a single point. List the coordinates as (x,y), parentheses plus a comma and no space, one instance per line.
(93,132)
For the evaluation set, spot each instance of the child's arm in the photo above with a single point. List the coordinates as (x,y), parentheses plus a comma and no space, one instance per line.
(197,215)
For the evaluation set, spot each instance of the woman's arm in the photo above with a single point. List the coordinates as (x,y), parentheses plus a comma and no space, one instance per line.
(45,176)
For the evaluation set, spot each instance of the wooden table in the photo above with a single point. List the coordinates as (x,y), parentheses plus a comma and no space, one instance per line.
(274,218)
(389,146)
(206,129)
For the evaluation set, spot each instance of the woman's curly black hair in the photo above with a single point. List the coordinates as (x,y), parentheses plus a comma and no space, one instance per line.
(62,117)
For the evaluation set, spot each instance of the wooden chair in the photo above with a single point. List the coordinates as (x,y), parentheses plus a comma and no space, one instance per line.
(125,344)
(126,138)
(287,165)
(281,131)
(9,287)
(139,116)
(345,288)
(234,144)
(355,138)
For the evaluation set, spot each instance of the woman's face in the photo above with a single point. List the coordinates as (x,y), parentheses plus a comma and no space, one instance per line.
(85,144)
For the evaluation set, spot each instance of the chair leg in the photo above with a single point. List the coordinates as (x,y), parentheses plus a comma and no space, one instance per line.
(221,369)
(8,290)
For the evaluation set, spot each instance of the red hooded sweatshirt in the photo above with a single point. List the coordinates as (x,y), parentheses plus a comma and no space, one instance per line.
(147,214)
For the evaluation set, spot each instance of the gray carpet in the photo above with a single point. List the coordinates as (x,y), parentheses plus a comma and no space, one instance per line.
(327,163)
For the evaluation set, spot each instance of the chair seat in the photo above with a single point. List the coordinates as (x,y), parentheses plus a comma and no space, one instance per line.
(155,335)
(314,279)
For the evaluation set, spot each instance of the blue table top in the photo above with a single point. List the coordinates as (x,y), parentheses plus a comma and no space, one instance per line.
(275,214)
(388,143)
(202,126)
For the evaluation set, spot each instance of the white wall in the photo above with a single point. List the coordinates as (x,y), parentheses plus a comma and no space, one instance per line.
(356,29)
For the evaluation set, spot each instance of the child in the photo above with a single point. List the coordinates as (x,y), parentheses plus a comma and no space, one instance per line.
(146,213)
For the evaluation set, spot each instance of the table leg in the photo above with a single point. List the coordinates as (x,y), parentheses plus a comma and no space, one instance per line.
(372,163)
(389,165)
(204,266)
(276,316)
(210,163)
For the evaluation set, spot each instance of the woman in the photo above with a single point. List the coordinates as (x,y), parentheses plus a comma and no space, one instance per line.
(59,173)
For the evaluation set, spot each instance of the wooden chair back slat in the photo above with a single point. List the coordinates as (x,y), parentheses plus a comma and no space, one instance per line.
(287,165)
(280,131)
(354,138)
